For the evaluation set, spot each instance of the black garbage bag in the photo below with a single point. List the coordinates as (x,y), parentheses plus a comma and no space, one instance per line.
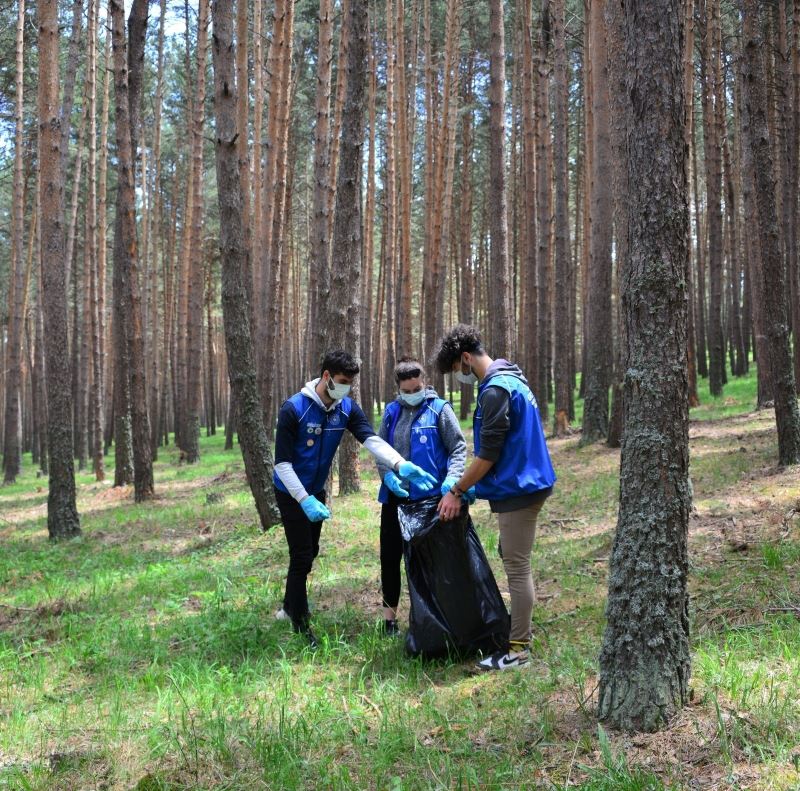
(456,607)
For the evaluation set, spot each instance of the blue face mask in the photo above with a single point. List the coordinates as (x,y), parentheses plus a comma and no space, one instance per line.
(412,399)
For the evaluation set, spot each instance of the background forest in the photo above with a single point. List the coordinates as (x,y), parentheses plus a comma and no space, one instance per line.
(609,191)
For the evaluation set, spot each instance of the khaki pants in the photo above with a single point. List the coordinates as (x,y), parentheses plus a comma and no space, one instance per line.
(517,531)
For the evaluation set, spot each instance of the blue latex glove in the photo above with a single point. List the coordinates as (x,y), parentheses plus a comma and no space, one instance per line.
(394,485)
(409,471)
(469,496)
(448,484)
(314,509)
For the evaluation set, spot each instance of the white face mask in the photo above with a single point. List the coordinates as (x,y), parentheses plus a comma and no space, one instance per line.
(412,399)
(466,379)
(337,391)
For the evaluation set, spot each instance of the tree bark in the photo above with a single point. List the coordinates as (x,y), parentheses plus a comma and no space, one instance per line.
(529,312)
(498,221)
(343,311)
(563,391)
(127,95)
(644,662)
(194,329)
(544,204)
(771,284)
(253,439)
(12,452)
(617,98)
(599,338)
(62,513)
(319,265)
(712,139)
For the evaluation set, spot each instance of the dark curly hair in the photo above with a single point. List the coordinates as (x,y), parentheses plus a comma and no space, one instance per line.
(339,361)
(462,338)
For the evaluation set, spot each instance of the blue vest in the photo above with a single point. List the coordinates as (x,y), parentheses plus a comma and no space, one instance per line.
(318,436)
(427,449)
(524,465)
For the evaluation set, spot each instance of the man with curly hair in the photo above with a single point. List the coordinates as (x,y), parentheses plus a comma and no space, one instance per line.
(511,469)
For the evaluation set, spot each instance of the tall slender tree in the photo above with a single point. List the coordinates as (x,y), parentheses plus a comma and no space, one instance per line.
(771,280)
(644,662)
(128,65)
(712,132)
(343,312)
(18,288)
(500,296)
(253,439)
(599,345)
(62,513)
(561,360)
(196,281)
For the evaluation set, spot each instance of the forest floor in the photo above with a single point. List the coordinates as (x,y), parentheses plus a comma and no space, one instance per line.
(145,654)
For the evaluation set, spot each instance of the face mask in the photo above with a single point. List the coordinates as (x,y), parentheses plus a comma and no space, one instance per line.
(337,391)
(412,399)
(466,379)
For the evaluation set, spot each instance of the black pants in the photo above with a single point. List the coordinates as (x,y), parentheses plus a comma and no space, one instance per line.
(302,536)
(391,553)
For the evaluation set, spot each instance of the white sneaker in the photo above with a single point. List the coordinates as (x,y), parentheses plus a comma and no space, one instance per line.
(504,660)
(282,615)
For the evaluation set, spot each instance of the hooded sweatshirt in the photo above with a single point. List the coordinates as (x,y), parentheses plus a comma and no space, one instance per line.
(449,430)
(495,403)
(357,425)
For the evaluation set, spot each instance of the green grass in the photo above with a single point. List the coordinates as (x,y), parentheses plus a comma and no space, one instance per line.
(145,654)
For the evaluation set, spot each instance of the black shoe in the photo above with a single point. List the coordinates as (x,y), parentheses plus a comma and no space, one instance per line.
(390,628)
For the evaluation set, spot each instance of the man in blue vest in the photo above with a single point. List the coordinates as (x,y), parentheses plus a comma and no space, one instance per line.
(423,427)
(511,469)
(311,425)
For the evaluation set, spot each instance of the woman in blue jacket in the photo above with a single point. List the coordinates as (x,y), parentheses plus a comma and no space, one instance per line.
(511,469)
(423,428)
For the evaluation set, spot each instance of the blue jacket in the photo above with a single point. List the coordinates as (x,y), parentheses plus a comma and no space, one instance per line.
(524,465)
(427,449)
(317,437)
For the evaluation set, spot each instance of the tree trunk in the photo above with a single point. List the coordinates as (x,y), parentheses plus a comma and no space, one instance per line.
(368,377)
(343,312)
(529,312)
(544,203)
(158,230)
(498,223)
(599,344)
(127,88)
(319,265)
(194,329)
(771,284)
(404,187)
(712,140)
(617,98)
(688,85)
(12,452)
(62,513)
(562,248)
(253,439)
(644,663)
(793,269)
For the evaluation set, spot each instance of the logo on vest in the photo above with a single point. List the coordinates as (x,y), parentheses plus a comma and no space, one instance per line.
(334,420)
(423,439)
(310,443)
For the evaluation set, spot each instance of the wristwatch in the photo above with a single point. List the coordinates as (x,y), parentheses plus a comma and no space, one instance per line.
(455,491)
